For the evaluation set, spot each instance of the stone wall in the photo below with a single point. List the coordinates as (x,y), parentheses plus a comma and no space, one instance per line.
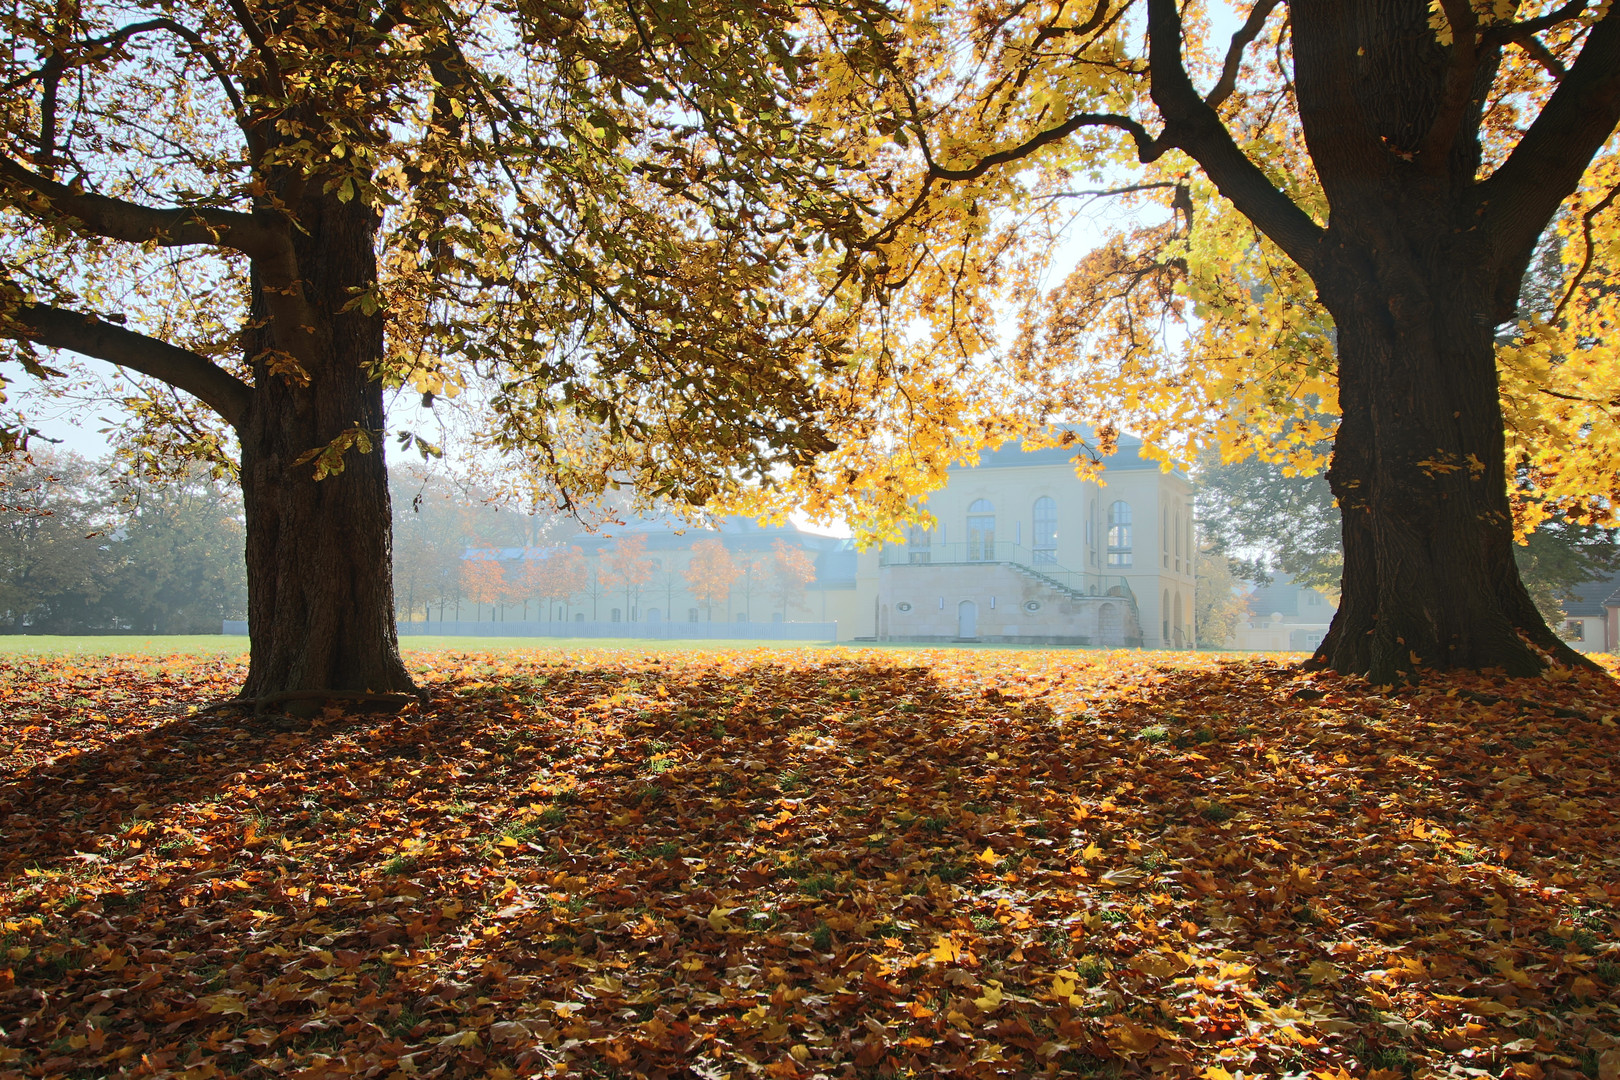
(997,602)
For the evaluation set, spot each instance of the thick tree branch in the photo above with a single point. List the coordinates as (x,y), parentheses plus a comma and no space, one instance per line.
(1234,53)
(1516,202)
(1458,88)
(264,241)
(1542,55)
(1193,126)
(92,336)
(118,219)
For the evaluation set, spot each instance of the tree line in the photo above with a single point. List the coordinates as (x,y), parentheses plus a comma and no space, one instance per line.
(91,547)
(94,546)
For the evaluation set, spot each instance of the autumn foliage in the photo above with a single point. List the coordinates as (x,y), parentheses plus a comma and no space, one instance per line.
(796,864)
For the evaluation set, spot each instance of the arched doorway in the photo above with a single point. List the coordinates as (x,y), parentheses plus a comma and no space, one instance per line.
(967,619)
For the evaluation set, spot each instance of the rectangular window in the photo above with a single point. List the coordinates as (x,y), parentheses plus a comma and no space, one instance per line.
(1575,630)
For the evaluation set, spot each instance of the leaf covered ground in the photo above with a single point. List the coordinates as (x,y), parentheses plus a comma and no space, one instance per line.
(793,864)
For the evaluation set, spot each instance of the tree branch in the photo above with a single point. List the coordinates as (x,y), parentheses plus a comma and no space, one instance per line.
(1193,126)
(1586,260)
(118,219)
(1542,55)
(1513,31)
(1234,53)
(1144,144)
(1519,198)
(92,336)
(1457,89)
(255,34)
(92,49)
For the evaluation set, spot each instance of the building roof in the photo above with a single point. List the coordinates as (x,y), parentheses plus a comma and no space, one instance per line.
(834,555)
(1283,596)
(1126,456)
(1591,597)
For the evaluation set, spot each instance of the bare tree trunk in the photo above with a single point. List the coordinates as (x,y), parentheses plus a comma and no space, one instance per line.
(319,560)
(1418,467)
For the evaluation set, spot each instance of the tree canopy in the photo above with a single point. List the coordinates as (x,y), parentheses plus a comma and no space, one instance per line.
(595,219)
(1337,208)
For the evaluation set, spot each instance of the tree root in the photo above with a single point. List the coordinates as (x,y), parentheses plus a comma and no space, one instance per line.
(392,702)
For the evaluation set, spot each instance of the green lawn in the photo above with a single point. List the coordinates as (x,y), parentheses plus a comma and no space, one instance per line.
(232,645)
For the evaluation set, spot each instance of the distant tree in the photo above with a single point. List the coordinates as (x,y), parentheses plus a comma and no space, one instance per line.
(85,547)
(667,579)
(710,573)
(753,571)
(1268,522)
(177,554)
(792,570)
(626,566)
(1217,605)
(483,580)
(570,576)
(55,520)
(593,588)
(1560,555)
(1276,524)
(429,537)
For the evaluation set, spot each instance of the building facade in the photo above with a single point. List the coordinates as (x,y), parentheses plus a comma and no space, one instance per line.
(1592,616)
(660,588)
(1284,617)
(1024,552)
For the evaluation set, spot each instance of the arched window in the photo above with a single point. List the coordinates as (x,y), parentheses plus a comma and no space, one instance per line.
(1164,614)
(1164,536)
(1044,541)
(615,615)
(1119,533)
(981,527)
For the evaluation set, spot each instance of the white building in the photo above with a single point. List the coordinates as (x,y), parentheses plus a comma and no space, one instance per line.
(1023,551)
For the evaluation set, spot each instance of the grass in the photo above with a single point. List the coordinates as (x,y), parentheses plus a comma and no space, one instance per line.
(236,645)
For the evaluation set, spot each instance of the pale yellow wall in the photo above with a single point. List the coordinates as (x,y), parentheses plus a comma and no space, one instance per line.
(1013,491)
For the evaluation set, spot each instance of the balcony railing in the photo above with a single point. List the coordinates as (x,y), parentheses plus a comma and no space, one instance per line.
(987,553)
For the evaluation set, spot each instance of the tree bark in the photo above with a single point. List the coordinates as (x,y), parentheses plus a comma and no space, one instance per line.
(1418,470)
(319,559)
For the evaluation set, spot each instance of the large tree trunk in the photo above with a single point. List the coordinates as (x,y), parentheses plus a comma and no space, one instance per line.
(319,560)
(1418,467)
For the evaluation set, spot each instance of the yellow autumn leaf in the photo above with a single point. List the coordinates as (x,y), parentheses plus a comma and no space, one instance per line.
(222,1004)
(1320,971)
(990,1000)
